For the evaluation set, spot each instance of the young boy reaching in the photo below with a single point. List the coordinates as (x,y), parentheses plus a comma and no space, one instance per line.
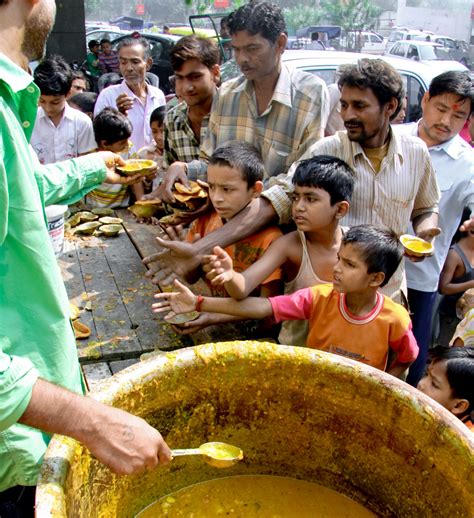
(234,177)
(112,130)
(350,318)
(450,381)
(322,191)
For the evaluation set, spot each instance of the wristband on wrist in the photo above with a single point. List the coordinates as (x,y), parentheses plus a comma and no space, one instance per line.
(199,301)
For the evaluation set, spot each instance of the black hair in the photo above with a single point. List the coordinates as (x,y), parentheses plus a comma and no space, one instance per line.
(93,43)
(85,101)
(104,40)
(376,74)
(109,79)
(453,82)
(53,76)
(380,249)
(158,115)
(111,126)
(204,50)
(260,18)
(241,156)
(459,370)
(138,40)
(326,172)
(459,234)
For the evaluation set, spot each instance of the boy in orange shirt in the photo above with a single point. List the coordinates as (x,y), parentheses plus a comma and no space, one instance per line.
(234,176)
(349,317)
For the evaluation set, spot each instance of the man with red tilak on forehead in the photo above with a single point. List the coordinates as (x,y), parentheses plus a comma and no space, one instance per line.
(446,106)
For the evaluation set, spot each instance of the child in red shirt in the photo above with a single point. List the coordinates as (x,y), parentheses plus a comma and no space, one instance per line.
(350,318)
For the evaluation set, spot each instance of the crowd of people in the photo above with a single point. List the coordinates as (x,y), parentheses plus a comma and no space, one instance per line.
(302,227)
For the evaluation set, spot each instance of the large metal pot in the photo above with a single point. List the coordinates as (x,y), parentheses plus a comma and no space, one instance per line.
(294,412)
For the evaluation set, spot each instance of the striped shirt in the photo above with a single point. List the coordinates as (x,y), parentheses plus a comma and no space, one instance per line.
(109,62)
(180,141)
(294,119)
(404,188)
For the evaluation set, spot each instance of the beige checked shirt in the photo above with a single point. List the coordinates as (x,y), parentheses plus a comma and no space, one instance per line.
(404,188)
(294,120)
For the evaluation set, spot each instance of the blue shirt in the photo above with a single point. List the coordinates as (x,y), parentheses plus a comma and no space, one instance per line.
(454,166)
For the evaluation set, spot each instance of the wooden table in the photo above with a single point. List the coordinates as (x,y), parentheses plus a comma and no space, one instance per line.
(105,278)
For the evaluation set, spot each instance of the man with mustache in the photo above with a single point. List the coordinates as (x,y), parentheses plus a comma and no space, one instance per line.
(446,106)
(40,380)
(282,112)
(395,181)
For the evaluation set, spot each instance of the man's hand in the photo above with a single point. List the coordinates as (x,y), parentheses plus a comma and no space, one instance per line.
(179,259)
(124,103)
(218,266)
(180,301)
(125,443)
(112,160)
(201,322)
(176,172)
(428,235)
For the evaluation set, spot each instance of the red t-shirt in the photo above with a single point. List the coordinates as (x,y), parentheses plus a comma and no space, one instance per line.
(334,329)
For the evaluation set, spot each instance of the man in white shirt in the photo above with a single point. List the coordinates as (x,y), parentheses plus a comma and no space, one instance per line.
(134,96)
(60,132)
(446,106)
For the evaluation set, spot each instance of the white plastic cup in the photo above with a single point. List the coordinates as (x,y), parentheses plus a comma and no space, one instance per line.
(55,215)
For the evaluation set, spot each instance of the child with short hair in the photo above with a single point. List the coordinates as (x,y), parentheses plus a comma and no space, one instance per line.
(112,130)
(350,317)
(450,381)
(235,177)
(84,102)
(155,150)
(60,131)
(322,191)
(108,58)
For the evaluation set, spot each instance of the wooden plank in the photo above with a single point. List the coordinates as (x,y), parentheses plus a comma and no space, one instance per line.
(142,235)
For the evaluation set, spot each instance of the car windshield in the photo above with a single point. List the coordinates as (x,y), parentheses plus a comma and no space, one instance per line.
(428,52)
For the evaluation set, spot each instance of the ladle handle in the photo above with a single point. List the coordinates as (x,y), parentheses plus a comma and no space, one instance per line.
(187,451)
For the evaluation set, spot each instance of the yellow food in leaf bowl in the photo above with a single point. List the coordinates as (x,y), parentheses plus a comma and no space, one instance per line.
(136,166)
(416,246)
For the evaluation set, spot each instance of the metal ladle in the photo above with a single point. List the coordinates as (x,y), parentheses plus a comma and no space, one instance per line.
(216,454)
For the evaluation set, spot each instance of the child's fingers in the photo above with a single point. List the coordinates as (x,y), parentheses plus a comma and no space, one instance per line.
(219,280)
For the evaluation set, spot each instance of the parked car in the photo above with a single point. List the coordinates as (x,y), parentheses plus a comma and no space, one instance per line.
(456,50)
(367,42)
(403,33)
(424,52)
(100,34)
(160,46)
(416,76)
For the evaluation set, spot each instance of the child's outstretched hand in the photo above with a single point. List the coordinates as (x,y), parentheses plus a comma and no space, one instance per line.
(218,266)
(180,301)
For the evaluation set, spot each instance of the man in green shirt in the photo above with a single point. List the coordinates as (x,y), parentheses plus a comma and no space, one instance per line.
(40,381)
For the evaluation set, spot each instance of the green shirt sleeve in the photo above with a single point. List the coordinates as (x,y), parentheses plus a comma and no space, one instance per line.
(67,182)
(17,377)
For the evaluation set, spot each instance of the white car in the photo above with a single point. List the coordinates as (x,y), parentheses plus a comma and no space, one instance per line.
(416,76)
(425,52)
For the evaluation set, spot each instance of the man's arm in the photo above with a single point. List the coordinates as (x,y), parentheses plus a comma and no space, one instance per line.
(183,300)
(182,258)
(123,442)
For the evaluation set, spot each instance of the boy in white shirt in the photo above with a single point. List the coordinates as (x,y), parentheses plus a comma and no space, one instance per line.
(60,132)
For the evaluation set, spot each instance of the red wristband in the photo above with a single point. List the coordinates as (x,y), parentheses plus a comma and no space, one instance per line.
(199,302)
